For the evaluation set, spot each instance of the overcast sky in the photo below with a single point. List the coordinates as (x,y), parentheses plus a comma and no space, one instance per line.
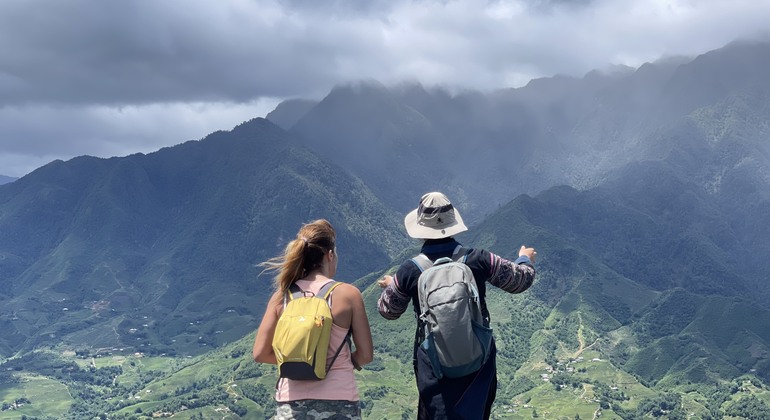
(114,77)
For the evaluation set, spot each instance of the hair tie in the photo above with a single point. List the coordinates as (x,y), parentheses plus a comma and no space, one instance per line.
(304,239)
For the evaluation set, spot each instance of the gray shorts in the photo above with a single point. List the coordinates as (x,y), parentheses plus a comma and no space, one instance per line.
(318,410)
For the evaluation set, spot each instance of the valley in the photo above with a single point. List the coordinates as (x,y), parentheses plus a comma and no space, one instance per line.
(130,286)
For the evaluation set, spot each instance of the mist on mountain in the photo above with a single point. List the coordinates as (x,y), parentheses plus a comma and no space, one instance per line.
(646,192)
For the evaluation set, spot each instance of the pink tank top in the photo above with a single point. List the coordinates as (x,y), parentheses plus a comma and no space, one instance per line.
(339,384)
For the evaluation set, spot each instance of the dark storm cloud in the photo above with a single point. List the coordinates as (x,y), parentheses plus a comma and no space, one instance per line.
(116,52)
(113,77)
(342,8)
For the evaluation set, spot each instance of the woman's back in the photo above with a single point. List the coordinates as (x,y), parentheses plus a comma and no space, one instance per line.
(340,383)
(310,261)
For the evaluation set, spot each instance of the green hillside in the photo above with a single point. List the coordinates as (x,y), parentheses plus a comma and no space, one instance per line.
(158,252)
(129,287)
(584,340)
(534,340)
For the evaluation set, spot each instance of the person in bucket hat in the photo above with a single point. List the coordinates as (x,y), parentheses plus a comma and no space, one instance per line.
(434,218)
(436,221)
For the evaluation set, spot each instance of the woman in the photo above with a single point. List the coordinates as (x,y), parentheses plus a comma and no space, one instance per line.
(310,261)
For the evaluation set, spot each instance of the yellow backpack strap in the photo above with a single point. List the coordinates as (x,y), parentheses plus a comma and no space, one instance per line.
(292,293)
(326,290)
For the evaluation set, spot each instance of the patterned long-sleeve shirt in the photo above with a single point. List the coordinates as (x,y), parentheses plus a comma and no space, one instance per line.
(511,276)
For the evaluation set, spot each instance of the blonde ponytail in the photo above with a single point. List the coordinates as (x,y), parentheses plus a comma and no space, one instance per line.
(303,254)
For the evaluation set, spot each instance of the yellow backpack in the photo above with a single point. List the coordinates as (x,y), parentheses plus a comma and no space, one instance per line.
(301,339)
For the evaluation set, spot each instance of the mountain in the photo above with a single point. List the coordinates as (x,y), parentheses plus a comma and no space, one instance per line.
(288,112)
(370,132)
(489,147)
(646,193)
(667,282)
(161,249)
(6,179)
(614,326)
(642,297)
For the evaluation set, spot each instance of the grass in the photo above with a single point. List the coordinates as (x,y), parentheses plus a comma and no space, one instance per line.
(387,393)
(551,404)
(391,392)
(529,332)
(47,396)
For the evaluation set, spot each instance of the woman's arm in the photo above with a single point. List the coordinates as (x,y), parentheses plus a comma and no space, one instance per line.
(359,325)
(263,344)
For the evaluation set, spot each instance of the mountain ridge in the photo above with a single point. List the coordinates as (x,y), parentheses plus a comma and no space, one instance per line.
(174,232)
(646,210)
(558,130)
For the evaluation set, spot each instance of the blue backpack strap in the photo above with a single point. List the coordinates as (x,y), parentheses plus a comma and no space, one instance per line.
(422,262)
(460,254)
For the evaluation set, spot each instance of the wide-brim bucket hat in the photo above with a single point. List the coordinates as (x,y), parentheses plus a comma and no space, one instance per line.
(434,218)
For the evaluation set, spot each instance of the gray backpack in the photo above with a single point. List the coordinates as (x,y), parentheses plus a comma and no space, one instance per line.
(456,339)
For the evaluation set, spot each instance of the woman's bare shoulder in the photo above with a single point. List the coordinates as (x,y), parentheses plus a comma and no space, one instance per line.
(348,290)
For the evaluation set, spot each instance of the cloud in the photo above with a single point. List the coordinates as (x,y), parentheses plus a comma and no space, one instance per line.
(116,52)
(33,135)
(65,62)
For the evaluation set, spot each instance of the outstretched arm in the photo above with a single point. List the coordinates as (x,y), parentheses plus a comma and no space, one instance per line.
(513,276)
(392,302)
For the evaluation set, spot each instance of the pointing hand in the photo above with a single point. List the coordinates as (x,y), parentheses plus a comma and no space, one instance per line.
(385,281)
(529,252)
